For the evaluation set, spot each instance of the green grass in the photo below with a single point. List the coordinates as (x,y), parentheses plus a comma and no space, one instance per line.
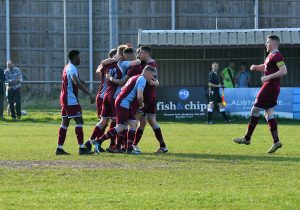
(204,169)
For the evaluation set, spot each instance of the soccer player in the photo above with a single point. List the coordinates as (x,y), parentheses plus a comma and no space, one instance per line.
(273,68)
(70,107)
(127,103)
(124,53)
(99,129)
(133,70)
(149,110)
(214,94)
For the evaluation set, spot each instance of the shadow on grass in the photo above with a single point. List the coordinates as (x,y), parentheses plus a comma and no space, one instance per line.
(222,157)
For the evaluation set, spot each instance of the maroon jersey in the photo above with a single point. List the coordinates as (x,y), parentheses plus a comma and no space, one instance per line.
(69,91)
(103,83)
(150,92)
(272,64)
(116,73)
(269,92)
(135,70)
(129,91)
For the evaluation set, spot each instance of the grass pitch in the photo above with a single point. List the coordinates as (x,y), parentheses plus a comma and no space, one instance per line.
(203,170)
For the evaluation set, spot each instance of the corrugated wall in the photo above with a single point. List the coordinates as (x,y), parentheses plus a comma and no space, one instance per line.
(190,67)
(37,28)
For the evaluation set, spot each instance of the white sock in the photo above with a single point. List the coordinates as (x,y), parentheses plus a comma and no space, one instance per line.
(81,146)
(59,146)
(91,141)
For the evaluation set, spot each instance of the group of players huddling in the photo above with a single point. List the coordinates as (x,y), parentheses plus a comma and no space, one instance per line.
(127,98)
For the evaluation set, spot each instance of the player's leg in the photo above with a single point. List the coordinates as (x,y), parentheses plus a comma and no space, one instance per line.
(158,134)
(130,136)
(251,127)
(112,133)
(121,139)
(62,132)
(80,136)
(141,117)
(113,139)
(222,111)
(210,109)
(97,133)
(122,115)
(273,129)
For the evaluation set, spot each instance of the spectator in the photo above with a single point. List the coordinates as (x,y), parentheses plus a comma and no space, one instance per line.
(13,79)
(2,80)
(228,75)
(242,78)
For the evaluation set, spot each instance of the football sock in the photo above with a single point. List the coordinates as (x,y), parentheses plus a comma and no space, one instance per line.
(112,139)
(81,146)
(159,136)
(120,140)
(111,133)
(251,126)
(130,138)
(273,129)
(124,139)
(79,133)
(138,136)
(62,135)
(59,146)
(97,131)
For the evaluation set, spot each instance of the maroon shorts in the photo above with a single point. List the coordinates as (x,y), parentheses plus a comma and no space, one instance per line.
(72,111)
(108,107)
(267,97)
(123,114)
(99,102)
(149,108)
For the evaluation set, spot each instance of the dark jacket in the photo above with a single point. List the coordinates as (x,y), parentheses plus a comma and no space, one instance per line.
(2,80)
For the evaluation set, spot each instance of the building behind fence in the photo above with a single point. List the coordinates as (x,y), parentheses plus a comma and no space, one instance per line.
(37,41)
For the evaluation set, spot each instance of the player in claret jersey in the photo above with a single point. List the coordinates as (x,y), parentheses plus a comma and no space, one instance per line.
(70,107)
(273,68)
(105,102)
(129,58)
(149,110)
(127,103)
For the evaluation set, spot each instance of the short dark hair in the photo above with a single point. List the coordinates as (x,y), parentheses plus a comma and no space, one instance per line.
(128,50)
(73,53)
(150,69)
(243,63)
(147,49)
(112,52)
(273,37)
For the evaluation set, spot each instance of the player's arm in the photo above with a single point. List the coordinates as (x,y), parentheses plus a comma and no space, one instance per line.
(282,72)
(120,82)
(81,86)
(111,60)
(213,85)
(140,97)
(99,69)
(260,68)
(154,82)
(135,62)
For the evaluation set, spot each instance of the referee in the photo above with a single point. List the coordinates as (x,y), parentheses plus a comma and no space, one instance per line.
(214,94)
